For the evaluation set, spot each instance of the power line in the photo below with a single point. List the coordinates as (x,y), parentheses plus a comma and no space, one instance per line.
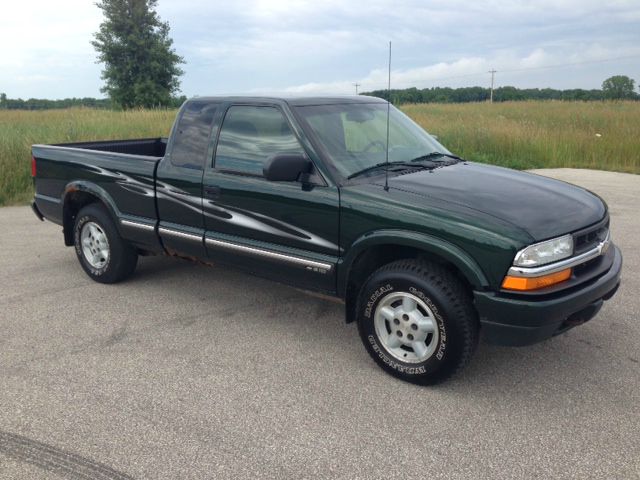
(357,85)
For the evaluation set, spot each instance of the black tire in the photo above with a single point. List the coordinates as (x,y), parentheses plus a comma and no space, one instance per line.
(452,311)
(122,257)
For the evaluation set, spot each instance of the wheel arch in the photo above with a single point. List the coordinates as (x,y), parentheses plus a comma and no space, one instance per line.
(372,251)
(78,195)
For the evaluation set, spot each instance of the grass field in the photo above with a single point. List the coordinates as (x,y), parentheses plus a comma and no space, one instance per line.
(521,135)
(518,135)
(20,129)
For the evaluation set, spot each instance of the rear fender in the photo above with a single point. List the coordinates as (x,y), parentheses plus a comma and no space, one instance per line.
(68,213)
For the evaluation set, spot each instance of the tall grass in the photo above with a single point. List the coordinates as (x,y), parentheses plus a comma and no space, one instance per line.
(597,135)
(601,135)
(20,129)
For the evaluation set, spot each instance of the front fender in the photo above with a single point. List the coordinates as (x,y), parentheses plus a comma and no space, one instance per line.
(428,243)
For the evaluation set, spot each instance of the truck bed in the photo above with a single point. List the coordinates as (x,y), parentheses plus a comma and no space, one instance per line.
(148,147)
(123,169)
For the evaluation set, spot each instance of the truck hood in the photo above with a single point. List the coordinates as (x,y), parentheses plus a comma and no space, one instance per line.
(541,206)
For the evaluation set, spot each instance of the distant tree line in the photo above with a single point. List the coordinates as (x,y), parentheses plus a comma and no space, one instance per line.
(44,104)
(619,87)
(480,94)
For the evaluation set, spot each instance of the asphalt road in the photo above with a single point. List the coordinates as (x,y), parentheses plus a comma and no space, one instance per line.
(188,371)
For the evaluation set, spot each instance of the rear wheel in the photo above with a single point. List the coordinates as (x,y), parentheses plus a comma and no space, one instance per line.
(104,255)
(417,321)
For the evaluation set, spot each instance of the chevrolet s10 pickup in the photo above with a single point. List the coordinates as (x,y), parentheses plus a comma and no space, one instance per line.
(348,197)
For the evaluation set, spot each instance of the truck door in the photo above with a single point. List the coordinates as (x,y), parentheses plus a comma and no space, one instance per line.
(283,230)
(179,179)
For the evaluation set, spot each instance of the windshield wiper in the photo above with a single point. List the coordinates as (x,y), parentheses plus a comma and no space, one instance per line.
(384,164)
(432,155)
(414,163)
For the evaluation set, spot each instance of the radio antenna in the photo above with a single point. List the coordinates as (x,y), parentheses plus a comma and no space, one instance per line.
(386,170)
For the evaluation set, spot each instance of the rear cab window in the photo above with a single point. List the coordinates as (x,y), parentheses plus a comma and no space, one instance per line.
(191,138)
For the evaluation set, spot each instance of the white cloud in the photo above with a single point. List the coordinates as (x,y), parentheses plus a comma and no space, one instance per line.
(44,44)
(465,71)
(304,46)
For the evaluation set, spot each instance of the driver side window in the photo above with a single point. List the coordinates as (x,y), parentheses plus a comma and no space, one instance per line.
(249,136)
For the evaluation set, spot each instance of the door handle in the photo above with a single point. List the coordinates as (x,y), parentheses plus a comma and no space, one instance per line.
(211,191)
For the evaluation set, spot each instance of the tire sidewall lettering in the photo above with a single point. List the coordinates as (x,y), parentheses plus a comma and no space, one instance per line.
(375,296)
(409,370)
(442,330)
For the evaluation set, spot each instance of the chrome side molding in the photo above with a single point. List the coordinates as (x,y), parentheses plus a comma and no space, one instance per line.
(141,226)
(312,265)
(47,198)
(183,235)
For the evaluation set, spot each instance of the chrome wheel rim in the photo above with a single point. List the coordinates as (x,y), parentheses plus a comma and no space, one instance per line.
(95,246)
(406,327)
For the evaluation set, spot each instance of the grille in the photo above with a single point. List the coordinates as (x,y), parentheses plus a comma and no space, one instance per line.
(590,238)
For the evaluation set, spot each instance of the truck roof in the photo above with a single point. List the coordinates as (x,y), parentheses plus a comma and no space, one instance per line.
(293,100)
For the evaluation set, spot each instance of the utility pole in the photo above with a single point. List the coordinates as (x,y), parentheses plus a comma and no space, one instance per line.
(356,85)
(492,72)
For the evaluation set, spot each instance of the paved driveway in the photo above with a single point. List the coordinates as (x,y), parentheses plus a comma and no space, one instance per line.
(196,372)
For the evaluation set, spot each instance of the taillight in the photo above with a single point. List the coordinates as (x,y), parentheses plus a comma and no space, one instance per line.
(33,167)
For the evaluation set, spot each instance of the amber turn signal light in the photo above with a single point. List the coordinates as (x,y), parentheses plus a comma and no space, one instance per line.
(535,283)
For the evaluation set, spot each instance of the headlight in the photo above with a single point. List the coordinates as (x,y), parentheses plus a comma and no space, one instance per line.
(545,252)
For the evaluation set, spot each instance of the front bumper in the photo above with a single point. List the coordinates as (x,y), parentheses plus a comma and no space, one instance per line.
(509,320)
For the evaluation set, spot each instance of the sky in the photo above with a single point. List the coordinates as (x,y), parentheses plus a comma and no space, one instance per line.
(325,46)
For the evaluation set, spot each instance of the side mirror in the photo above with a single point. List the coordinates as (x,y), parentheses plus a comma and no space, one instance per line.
(286,167)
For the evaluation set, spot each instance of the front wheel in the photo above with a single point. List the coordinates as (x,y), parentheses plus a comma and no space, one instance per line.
(104,255)
(417,321)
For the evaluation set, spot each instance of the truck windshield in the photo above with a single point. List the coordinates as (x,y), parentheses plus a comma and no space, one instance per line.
(355,135)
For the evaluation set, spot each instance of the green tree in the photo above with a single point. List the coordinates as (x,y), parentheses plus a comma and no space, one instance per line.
(3,100)
(618,87)
(141,67)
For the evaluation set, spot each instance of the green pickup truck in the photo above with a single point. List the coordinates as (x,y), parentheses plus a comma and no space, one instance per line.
(349,198)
